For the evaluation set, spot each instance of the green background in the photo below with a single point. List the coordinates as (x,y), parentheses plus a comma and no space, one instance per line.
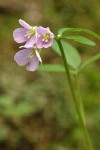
(36,109)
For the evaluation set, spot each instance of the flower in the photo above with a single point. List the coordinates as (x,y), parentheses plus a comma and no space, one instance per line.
(29,57)
(38,36)
(35,38)
(26,34)
(45,37)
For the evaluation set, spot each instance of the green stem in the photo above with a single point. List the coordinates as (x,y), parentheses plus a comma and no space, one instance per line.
(80,101)
(86,135)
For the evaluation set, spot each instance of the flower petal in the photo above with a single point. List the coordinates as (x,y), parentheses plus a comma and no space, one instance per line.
(19,35)
(24,24)
(34,62)
(21,57)
(41,37)
(39,42)
(30,43)
(48,44)
(41,30)
(38,56)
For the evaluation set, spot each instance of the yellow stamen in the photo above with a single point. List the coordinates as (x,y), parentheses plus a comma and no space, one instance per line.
(30,32)
(46,37)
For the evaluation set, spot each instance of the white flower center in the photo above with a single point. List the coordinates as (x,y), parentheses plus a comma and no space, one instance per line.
(46,37)
(32,53)
(31,32)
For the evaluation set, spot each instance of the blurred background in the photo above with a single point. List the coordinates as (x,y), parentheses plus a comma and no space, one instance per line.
(36,109)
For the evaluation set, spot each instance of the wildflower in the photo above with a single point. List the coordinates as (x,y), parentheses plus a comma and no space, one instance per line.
(45,37)
(35,38)
(29,57)
(26,34)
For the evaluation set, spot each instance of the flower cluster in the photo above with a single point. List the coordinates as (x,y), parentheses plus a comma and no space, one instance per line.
(35,39)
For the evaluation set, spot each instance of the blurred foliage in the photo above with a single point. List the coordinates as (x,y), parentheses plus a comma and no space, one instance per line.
(36,109)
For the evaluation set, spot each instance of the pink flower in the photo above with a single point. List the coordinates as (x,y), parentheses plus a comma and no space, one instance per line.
(29,57)
(26,34)
(45,37)
(35,38)
(38,36)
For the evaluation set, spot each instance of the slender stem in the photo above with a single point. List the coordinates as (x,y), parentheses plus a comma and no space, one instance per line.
(80,101)
(86,135)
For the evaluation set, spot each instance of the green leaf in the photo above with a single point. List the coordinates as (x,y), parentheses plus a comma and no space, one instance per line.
(55,47)
(80,39)
(19,110)
(89,61)
(66,30)
(6,101)
(71,53)
(51,68)
(23,109)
